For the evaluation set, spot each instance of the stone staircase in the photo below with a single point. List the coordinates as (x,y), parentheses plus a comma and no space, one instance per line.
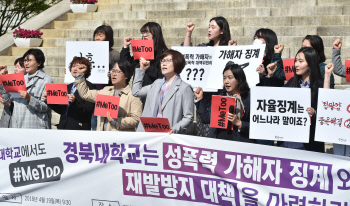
(292,20)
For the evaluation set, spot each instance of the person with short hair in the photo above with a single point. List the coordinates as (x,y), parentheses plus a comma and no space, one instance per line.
(5,121)
(169,97)
(77,114)
(130,107)
(30,111)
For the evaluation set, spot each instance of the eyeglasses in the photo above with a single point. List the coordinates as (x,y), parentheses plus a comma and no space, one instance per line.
(167,61)
(28,60)
(116,71)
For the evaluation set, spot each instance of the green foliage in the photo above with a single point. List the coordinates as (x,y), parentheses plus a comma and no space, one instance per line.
(15,12)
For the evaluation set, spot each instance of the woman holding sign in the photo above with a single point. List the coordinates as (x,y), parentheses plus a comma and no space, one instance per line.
(30,111)
(77,114)
(218,35)
(236,86)
(306,75)
(150,30)
(130,107)
(169,97)
(5,121)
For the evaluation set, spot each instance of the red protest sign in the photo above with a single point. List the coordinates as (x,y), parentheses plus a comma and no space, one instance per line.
(106,103)
(220,106)
(13,82)
(155,124)
(56,93)
(347,70)
(288,67)
(142,48)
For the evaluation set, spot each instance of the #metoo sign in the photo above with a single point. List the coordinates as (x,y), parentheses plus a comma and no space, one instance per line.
(279,113)
(97,52)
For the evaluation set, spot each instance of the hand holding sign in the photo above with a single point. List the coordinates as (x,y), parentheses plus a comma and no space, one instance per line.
(337,44)
(3,70)
(271,69)
(279,48)
(142,48)
(220,111)
(25,95)
(144,64)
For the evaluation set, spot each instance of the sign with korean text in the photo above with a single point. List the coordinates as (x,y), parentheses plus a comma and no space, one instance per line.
(199,62)
(279,113)
(97,52)
(333,116)
(106,103)
(220,106)
(142,48)
(52,167)
(155,124)
(57,93)
(288,67)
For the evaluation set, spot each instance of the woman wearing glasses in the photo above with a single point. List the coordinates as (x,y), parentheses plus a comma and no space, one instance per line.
(130,107)
(30,111)
(150,30)
(169,97)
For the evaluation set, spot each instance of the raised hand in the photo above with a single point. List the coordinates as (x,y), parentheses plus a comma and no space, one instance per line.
(190,27)
(232,42)
(337,44)
(279,48)
(198,93)
(144,64)
(127,41)
(271,69)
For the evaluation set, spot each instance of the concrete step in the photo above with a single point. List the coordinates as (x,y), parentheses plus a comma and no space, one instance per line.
(92,24)
(50,60)
(48,51)
(332,30)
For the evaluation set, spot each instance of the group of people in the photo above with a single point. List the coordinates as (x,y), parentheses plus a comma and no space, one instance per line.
(154,88)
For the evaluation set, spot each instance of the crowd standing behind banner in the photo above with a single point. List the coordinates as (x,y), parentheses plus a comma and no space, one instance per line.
(170,97)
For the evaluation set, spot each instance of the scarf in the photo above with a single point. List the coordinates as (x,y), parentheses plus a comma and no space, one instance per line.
(239,105)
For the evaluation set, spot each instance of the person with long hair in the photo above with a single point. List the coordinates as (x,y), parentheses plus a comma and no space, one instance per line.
(306,75)
(316,42)
(29,110)
(5,121)
(77,114)
(235,85)
(130,107)
(150,30)
(218,35)
(269,38)
(169,97)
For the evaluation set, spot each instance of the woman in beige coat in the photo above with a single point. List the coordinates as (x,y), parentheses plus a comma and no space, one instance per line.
(130,107)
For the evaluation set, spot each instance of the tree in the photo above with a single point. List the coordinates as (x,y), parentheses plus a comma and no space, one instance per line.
(15,12)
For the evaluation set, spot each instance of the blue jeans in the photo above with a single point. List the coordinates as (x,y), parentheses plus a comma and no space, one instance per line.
(93,122)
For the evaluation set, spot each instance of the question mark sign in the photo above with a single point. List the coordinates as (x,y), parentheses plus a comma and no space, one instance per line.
(305,121)
(188,75)
(202,70)
(195,70)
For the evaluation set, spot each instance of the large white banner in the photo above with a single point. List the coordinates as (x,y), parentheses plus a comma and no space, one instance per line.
(204,65)
(279,113)
(333,116)
(97,52)
(79,168)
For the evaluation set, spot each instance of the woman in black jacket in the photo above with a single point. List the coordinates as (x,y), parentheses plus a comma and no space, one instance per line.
(235,85)
(306,75)
(150,30)
(77,114)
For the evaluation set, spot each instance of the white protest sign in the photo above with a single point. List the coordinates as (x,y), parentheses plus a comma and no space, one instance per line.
(279,113)
(333,116)
(97,52)
(249,57)
(70,167)
(199,61)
